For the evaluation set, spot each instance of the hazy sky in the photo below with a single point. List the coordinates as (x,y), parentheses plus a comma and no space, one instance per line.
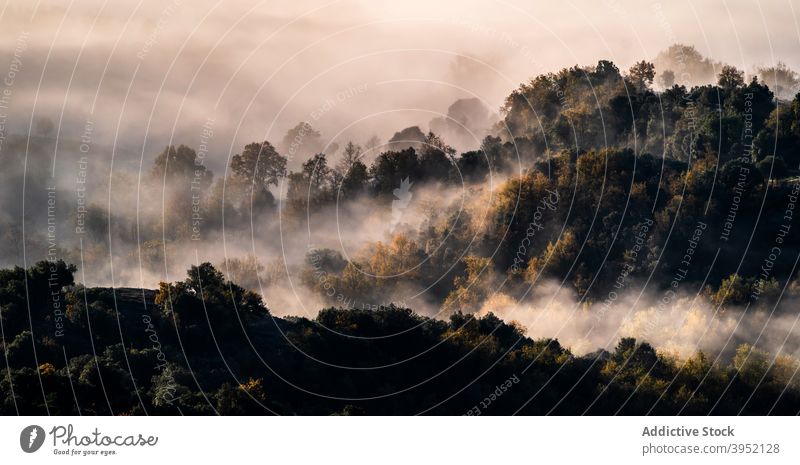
(153,71)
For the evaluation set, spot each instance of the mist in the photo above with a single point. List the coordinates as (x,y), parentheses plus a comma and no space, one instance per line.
(152,74)
(679,325)
(97,90)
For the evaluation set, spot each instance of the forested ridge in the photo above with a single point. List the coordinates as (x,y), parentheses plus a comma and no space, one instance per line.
(206,346)
(592,181)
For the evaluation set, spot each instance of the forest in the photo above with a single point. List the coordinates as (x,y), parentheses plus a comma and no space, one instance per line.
(618,243)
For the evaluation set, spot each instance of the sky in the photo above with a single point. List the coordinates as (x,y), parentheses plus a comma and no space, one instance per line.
(144,74)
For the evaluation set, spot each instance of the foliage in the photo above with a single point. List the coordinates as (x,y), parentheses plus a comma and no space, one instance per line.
(163,358)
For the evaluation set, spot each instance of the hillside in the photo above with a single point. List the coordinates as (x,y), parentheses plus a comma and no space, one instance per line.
(181,350)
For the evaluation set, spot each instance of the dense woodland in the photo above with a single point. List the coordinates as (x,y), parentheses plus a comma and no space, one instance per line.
(610,153)
(206,346)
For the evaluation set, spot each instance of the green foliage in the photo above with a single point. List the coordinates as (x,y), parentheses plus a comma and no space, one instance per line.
(259,166)
(730,78)
(642,75)
(588,156)
(158,370)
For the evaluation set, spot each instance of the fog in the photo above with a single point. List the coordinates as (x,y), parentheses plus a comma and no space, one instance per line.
(154,72)
(121,80)
(680,325)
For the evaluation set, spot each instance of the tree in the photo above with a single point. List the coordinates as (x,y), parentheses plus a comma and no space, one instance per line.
(557,258)
(781,79)
(331,149)
(43,283)
(433,142)
(179,165)
(409,137)
(355,180)
(772,168)
(259,165)
(391,168)
(181,182)
(470,291)
(350,169)
(467,121)
(667,78)
(473,166)
(310,188)
(687,62)
(641,75)
(606,70)
(730,78)
(372,144)
(493,150)
(301,140)
(436,161)
(317,172)
(206,301)
(734,290)
(752,364)
(247,271)
(352,154)
(781,134)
